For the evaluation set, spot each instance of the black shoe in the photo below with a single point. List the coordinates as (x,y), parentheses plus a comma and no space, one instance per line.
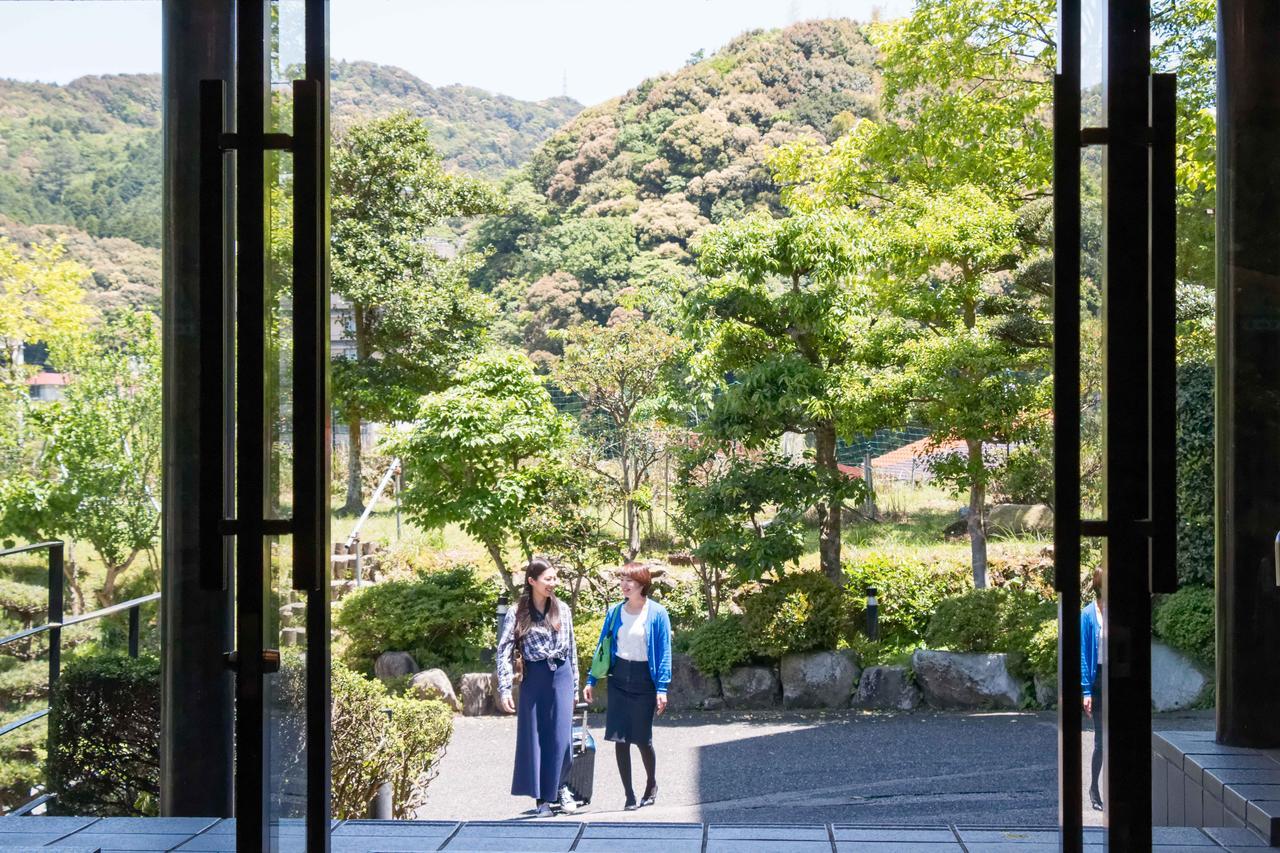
(1095,799)
(650,795)
(631,803)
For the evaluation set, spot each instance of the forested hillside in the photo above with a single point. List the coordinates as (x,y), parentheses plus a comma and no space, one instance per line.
(87,154)
(615,199)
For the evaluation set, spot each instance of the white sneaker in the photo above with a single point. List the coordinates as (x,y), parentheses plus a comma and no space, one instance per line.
(568,805)
(544,810)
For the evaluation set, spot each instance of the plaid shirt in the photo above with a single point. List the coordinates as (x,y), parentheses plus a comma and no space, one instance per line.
(538,643)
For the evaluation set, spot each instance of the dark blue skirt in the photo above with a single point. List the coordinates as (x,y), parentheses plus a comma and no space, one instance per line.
(544,730)
(632,702)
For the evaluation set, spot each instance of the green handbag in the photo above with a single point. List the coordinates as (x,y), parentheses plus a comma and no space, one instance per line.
(603,657)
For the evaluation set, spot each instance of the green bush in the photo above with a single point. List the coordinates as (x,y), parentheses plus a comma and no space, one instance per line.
(1195,473)
(685,603)
(719,645)
(990,620)
(585,633)
(1185,620)
(799,612)
(443,619)
(105,726)
(910,587)
(1042,651)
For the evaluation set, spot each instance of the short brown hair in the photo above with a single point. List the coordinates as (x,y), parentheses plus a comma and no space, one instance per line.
(639,573)
(1097,582)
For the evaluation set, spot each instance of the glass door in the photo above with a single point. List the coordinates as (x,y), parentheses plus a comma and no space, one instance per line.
(1115,370)
(274,353)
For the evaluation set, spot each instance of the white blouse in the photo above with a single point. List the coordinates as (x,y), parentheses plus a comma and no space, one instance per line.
(633,634)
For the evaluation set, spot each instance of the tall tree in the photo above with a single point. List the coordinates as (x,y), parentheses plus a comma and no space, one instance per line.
(485,453)
(620,370)
(776,315)
(944,191)
(97,479)
(412,317)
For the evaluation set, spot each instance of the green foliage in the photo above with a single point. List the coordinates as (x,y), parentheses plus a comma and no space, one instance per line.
(1185,620)
(443,619)
(799,612)
(1042,650)
(1195,439)
(1003,619)
(909,586)
(371,746)
(718,645)
(105,726)
(485,452)
(586,631)
(685,603)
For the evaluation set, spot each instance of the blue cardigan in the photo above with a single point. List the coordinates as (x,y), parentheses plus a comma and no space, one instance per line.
(1090,636)
(658,632)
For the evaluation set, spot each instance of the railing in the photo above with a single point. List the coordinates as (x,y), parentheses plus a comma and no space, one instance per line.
(53,626)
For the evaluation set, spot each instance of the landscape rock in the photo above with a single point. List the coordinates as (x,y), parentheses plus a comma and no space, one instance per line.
(479,693)
(713,703)
(1016,519)
(751,687)
(1046,690)
(394,665)
(1176,682)
(964,681)
(689,689)
(821,679)
(434,684)
(886,688)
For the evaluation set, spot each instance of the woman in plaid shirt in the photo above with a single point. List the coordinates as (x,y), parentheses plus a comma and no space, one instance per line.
(537,646)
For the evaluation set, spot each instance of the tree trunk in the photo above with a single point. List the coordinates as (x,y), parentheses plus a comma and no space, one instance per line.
(355,473)
(977,515)
(831,509)
(496,554)
(630,512)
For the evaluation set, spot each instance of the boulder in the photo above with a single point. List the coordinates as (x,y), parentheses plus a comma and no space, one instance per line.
(1176,682)
(886,688)
(751,687)
(819,679)
(1046,690)
(965,681)
(1016,519)
(293,615)
(293,636)
(689,689)
(479,693)
(713,703)
(394,665)
(434,684)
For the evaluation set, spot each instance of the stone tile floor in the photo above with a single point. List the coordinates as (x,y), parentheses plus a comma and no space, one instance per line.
(149,835)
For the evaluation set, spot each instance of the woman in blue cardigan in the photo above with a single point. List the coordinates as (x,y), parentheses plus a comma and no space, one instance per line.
(1092,680)
(639,673)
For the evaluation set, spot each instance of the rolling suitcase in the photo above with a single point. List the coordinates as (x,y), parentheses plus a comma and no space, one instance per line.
(582,772)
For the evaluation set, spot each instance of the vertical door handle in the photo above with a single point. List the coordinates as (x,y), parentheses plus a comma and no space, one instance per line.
(1163,411)
(209,502)
(310,326)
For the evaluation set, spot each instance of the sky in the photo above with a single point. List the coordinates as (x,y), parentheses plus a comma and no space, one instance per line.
(531,49)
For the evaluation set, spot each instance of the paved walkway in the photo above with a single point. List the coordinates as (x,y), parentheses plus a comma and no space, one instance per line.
(151,835)
(928,769)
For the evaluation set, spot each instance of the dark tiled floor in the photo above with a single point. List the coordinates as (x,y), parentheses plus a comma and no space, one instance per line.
(151,835)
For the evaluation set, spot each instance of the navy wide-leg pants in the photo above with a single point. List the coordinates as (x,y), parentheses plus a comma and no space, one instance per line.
(544,730)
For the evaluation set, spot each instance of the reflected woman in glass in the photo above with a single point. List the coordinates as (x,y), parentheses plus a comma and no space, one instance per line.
(1093,634)
(537,646)
(639,673)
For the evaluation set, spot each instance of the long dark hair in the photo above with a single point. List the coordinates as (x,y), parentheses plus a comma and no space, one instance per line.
(536,568)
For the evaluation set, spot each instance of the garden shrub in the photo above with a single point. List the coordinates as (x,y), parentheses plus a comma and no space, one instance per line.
(1042,651)
(105,725)
(685,604)
(1185,620)
(910,586)
(1195,472)
(719,645)
(443,619)
(990,620)
(799,612)
(585,633)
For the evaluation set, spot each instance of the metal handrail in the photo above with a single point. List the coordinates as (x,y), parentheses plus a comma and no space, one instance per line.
(54,628)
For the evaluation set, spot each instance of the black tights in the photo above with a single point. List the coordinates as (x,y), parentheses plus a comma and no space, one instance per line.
(622,752)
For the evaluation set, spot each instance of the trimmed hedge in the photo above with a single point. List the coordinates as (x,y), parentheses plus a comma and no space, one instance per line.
(1185,620)
(1004,619)
(105,725)
(799,612)
(443,619)
(910,589)
(719,645)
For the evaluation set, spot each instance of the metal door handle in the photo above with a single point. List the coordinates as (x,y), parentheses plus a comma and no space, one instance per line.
(1277,559)
(209,502)
(1161,301)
